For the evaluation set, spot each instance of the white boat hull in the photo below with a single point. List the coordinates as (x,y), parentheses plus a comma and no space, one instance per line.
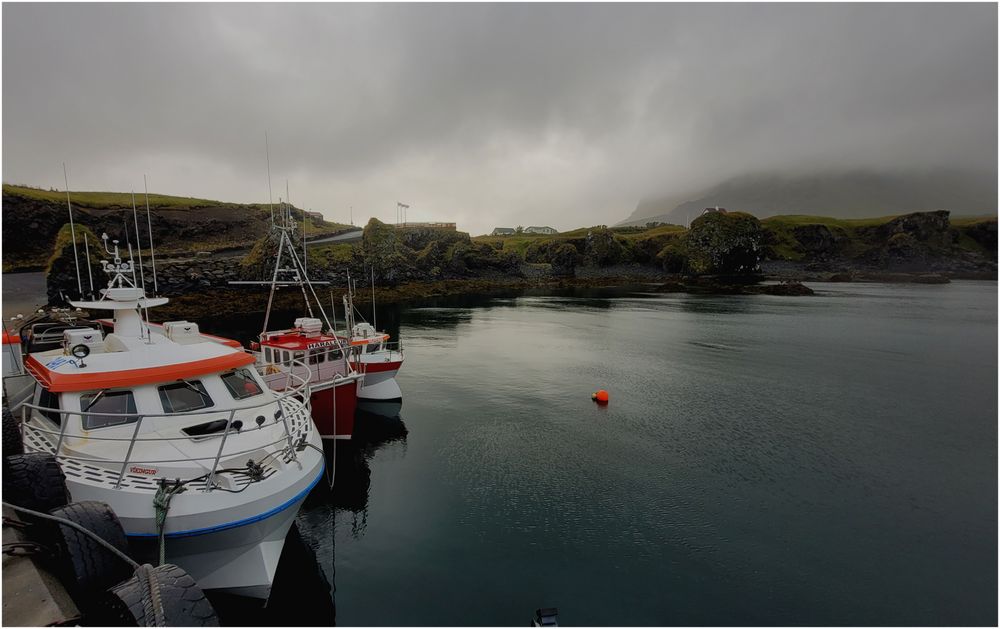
(241,559)
(379,387)
(226,540)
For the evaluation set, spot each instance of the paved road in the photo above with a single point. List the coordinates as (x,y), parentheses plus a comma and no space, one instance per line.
(351,236)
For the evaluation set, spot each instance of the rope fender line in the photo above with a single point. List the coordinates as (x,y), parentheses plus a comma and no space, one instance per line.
(161,505)
(152,602)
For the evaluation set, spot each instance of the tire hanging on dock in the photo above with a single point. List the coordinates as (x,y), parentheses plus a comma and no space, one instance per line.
(161,596)
(90,568)
(34,481)
(12,443)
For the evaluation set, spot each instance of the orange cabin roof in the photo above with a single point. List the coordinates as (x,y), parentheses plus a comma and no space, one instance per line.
(65,382)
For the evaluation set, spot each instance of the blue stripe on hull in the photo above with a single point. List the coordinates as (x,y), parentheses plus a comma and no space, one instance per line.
(231,525)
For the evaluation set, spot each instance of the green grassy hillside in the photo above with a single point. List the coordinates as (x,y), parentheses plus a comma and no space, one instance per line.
(181,225)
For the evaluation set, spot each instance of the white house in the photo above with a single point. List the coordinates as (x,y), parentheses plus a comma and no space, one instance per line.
(503,231)
(539,230)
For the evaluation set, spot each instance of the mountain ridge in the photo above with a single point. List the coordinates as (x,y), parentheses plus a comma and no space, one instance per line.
(844,194)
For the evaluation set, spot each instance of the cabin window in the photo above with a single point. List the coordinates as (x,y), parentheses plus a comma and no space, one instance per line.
(47,399)
(317,356)
(267,355)
(121,403)
(241,384)
(286,358)
(300,356)
(184,396)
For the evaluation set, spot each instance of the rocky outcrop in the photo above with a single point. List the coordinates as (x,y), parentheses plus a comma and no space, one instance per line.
(721,243)
(920,226)
(817,240)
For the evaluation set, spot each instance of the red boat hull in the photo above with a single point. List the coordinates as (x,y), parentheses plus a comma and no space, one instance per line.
(333,410)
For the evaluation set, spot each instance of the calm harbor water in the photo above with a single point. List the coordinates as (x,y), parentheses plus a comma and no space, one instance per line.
(764,460)
(829,460)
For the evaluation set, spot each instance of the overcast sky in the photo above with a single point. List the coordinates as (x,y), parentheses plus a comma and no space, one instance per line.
(486,115)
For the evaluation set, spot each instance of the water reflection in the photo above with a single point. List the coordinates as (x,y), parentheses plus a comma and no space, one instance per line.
(299,578)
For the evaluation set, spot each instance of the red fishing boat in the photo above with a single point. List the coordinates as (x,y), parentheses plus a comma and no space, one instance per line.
(306,351)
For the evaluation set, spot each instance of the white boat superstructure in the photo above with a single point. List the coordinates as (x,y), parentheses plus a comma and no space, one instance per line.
(379,360)
(148,418)
(372,354)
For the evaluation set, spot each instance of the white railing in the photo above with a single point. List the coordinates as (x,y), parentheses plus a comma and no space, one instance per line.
(297,387)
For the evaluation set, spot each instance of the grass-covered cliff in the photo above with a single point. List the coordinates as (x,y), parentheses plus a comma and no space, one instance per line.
(720,252)
(716,243)
(33,217)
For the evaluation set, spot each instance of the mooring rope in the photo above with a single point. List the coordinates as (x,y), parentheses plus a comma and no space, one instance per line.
(73,525)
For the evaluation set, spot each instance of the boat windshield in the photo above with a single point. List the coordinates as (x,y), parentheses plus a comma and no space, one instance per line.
(184,396)
(104,401)
(241,384)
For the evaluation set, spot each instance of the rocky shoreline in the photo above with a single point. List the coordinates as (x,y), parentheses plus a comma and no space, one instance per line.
(730,254)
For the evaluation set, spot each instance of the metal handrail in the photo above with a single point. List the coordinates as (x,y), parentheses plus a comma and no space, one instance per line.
(86,459)
(300,386)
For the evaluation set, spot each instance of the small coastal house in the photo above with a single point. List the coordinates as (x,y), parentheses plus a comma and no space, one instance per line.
(503,231)
(315,215)
(539,230)
(711,210)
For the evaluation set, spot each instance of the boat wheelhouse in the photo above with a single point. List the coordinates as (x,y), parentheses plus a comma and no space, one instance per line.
(379,360)
(145,409)
(320,358)
(373,355)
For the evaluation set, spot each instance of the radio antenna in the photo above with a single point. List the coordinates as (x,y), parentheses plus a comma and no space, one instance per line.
(138,244)
(72,229)
(270,195)
(86,252)
(149,227)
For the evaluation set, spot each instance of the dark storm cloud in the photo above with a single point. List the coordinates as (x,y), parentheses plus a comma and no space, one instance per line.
(489,114)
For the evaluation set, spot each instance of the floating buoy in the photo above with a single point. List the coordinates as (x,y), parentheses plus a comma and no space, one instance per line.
(601,397)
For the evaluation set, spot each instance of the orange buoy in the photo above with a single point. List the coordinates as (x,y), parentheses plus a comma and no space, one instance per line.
(601,397)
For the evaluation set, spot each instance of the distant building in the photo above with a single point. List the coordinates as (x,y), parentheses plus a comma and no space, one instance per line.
(450,226)
(503,231)
(710,210)
(316,215)
(539,230)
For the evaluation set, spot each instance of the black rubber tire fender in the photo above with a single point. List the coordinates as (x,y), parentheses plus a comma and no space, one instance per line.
(34,481)
(12,443)
(182,601)
(89,567)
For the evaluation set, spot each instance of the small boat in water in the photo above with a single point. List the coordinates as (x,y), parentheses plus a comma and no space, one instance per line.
(145,408)
(373,355)
(320,358)
(305,351)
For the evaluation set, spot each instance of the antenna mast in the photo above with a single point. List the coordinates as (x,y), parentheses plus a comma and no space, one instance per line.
(90,275)
(149,227)
(138,245)
(72,229)
(270,195)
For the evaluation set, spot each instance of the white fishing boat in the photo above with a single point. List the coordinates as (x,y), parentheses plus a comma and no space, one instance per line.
(372,354)
(378,360)
(148,412)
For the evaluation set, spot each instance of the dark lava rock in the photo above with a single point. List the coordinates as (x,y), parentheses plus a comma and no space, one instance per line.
(931,278)
(672,287)
(921,226)
(788,289)
(816,239)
